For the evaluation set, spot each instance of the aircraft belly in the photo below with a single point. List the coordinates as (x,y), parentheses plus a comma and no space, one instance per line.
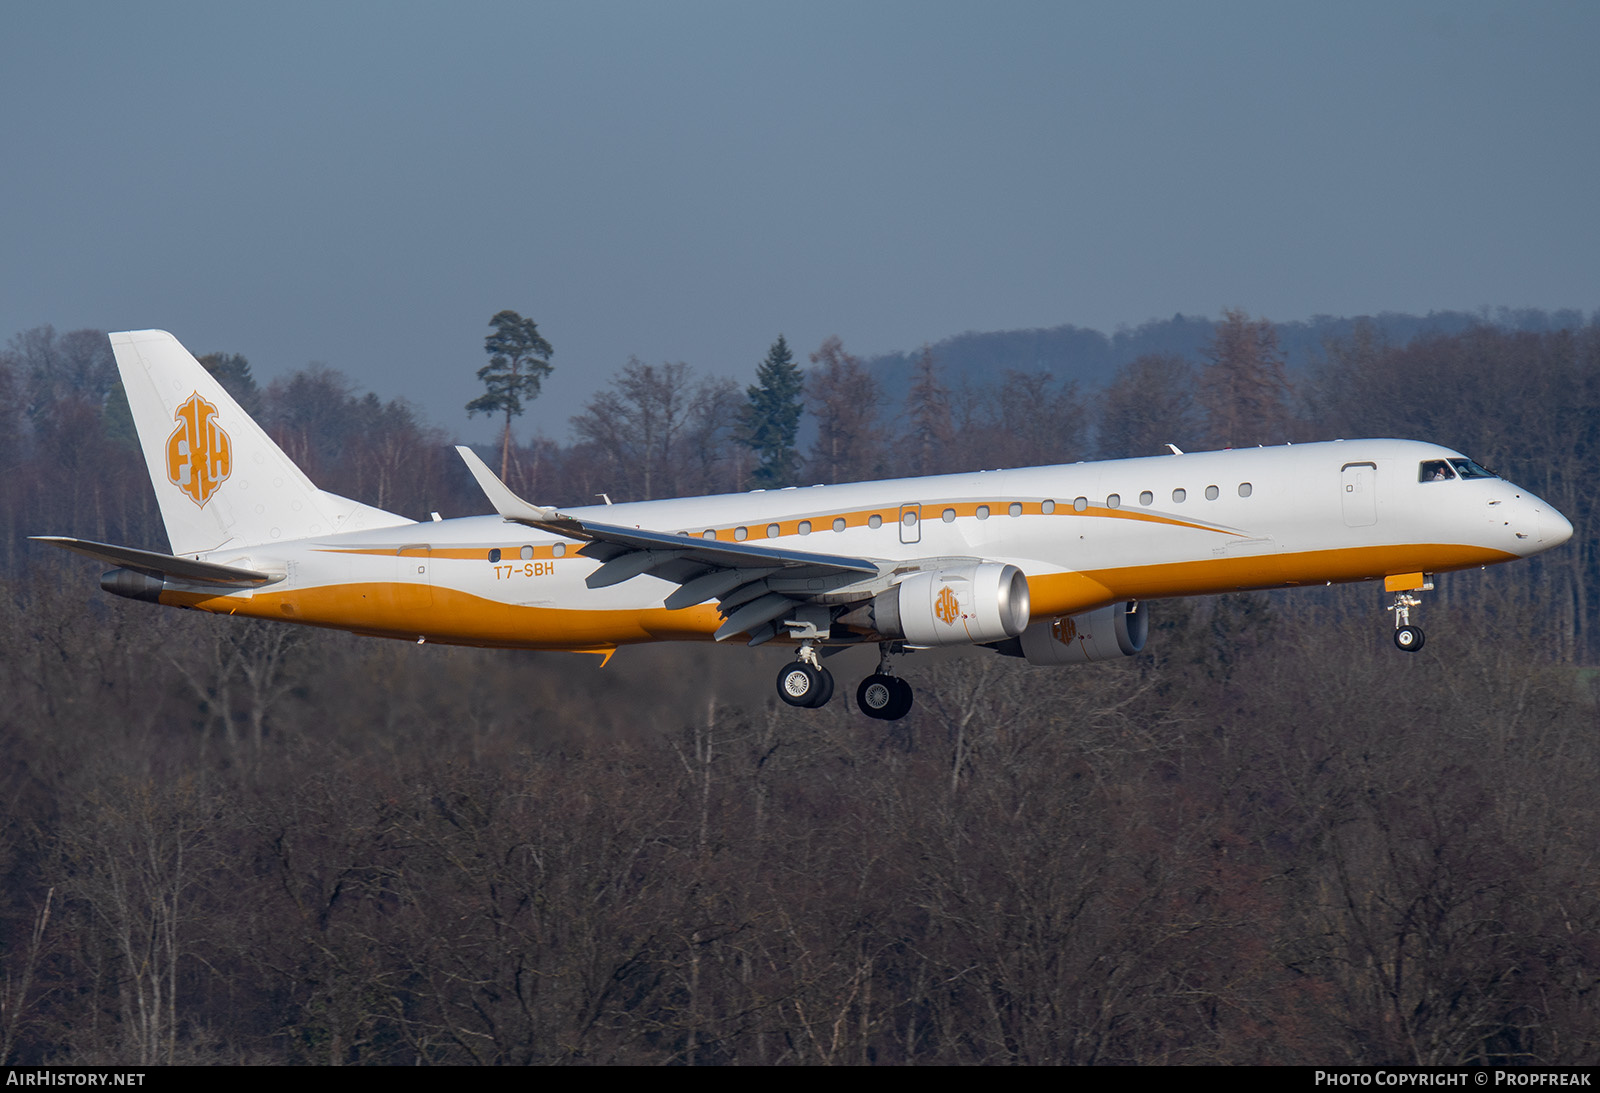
(459,617)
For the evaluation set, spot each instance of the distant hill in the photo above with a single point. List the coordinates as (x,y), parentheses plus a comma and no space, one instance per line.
(1092,358)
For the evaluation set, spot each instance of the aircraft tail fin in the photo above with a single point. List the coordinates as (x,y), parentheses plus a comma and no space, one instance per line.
(220,480)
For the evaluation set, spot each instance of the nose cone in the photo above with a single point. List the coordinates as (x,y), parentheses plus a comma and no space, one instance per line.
(1554,529)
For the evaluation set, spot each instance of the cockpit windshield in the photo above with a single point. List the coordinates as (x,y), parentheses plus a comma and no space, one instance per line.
(1447,470)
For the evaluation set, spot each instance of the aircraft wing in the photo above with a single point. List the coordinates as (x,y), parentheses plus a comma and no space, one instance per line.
(159,565)
(756,587)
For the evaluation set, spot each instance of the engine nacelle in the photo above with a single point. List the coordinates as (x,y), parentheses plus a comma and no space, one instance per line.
(962,605)
(1119,630)
(133,584)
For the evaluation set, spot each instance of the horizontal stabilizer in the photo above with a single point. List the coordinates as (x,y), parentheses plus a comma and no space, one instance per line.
(160,565)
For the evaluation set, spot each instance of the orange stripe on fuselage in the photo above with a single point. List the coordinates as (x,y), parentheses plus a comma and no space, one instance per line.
(1052,594)
(448,615)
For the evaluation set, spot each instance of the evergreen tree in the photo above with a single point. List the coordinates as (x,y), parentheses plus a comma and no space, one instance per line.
(518,362)
(772,417)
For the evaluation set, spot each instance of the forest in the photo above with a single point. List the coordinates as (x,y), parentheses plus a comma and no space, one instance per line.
(1269,838)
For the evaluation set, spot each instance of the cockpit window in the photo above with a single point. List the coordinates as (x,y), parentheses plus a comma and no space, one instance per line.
(1436,470)
(1466,468)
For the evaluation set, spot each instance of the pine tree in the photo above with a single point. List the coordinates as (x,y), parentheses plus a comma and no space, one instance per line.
(518,363)
(772,417)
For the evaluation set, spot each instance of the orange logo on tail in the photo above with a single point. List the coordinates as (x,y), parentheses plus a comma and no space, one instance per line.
(946,608)
(199,453)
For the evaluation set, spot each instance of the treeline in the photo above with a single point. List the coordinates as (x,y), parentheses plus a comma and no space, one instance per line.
(1092,357)
(1270,838)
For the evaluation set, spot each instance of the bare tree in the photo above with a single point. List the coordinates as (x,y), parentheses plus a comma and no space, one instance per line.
(843,397)
(659,430)
(1149,405)
(1244,390)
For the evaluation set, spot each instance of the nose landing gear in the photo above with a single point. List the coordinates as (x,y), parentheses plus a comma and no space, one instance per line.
(1407,638)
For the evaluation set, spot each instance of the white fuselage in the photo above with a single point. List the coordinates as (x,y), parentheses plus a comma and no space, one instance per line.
(1084,534)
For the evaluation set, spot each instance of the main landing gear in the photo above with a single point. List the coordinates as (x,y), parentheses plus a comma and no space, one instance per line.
(884,695)
(1407,638)
(804,682)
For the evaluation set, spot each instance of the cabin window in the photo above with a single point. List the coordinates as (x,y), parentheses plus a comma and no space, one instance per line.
(772,531)
(1080,504)
(1147,498)
(874,521)
(1113,500)
(494,555)
(527,552)
(983,512)
(741,534)
(1212,493)
(1048,507)
(948,516)
(805,527)
(1179,494)
(559,550)
(1245,489)
(909,519)
(1015,508)
(838,523)
(708,534)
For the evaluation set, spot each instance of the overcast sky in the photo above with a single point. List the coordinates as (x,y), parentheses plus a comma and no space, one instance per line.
(364,184)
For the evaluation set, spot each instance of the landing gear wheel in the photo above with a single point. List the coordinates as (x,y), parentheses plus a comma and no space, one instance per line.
(875,695)
(1409,638)
(887,698)
(902,702)
(801,685)
(826,693)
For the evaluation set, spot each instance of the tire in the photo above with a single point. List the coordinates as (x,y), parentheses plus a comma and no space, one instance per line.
(799,684)
(1409,639)
(876,696)
(903,699)
(824,690)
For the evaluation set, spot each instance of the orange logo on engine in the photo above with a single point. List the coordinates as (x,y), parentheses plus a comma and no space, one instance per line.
(199,453)
(946,608)
(1064,630)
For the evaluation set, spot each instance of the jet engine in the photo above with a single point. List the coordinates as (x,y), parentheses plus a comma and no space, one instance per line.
(134,584)
(1117,630)
(962,605)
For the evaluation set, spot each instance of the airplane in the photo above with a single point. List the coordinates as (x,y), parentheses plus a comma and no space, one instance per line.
(1055,565)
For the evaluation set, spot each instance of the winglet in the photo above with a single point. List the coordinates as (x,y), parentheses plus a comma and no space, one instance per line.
(508,504)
